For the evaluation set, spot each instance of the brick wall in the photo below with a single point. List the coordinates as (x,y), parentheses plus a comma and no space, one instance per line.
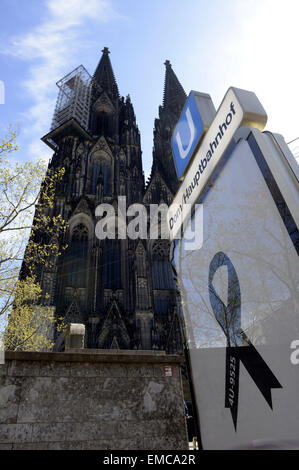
(91,400)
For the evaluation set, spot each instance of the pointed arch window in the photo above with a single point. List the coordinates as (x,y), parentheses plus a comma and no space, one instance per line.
(77,257)
(162,272)
(102,123)
(112,264)
(100,169)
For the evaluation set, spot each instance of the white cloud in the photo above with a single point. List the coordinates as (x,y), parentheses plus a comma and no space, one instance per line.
(50,49)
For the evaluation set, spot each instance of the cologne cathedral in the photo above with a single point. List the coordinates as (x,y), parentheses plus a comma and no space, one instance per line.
(122,290)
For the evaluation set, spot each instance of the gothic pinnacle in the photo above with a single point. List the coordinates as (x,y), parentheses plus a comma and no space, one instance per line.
(104,75)
(174,93)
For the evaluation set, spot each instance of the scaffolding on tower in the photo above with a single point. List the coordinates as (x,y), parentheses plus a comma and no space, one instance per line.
(71,115)
(73,100)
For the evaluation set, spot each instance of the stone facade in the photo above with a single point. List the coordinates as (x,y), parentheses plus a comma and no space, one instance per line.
(122,290)
(91,400)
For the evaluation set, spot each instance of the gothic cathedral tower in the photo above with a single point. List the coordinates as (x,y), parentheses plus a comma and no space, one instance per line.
(122,289)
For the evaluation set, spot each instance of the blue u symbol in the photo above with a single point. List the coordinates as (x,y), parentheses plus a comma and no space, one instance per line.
(184,152)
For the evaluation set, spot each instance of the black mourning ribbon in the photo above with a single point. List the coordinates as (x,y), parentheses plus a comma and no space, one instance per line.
(239,348)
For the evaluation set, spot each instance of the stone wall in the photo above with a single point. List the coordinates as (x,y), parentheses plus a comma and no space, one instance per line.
(91,400)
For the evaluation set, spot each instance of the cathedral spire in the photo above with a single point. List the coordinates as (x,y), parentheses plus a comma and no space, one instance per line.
(104,75)
(173,102)
(174,94)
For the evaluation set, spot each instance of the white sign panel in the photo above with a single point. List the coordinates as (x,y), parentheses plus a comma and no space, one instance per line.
(239,107)
(240,305)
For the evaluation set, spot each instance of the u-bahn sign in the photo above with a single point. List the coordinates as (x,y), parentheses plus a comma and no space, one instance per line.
(239,292)
(194,122)
(238,108)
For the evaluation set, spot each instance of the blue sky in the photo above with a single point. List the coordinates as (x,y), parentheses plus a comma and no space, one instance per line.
(212,45)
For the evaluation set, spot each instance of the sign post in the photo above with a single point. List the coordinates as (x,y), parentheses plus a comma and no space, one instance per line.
(239,291)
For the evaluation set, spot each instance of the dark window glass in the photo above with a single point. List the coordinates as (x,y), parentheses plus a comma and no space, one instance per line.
(77,257)
(102,124)
(162,274)
(112,264)
(161,305)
